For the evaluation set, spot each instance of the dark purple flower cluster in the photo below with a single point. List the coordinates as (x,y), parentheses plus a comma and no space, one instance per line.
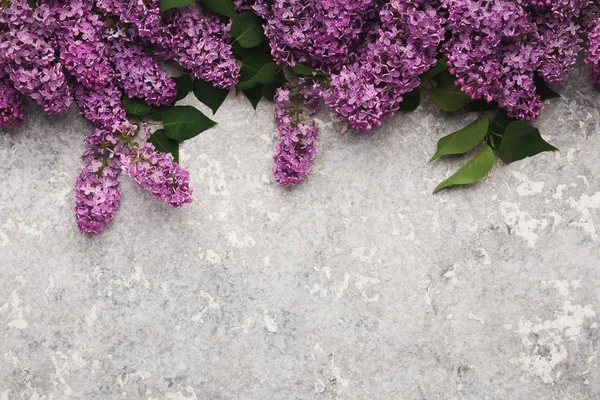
(294,106)
(98,50)
(497,47)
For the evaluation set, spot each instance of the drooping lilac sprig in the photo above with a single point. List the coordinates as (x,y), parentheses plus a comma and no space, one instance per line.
(294,107)
(11,105)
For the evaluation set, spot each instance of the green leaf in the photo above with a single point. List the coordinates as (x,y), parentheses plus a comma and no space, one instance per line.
(184,86)
(411,100)
(269,90)
(464,139)
(157,113)
(222,7)
(522,140)
(543,90)
(266,74)
(185,122)
(473,171)
(305,70)
(166,5)
(135,106)
(251,66)
(446,95)
(247,30)
(31,3)
(254,95)
(497,128)
(208,94)
(165,145)
(437,69)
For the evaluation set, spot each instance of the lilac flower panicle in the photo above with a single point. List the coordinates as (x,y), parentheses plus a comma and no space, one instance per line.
(294,106)
(157,173)
(97,195)
(11,105)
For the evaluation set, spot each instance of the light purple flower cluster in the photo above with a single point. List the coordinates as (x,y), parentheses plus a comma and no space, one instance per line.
(98,50)
(322,34)
(593,52)
(401,46)
(11,105)
(157,173)
(497,47)
(294,106)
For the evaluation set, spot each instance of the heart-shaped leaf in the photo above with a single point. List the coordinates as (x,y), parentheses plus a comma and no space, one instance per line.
(254,95)
(184,86)
(266,74)
(208,94)
(411,100)
(135,106)
(473,171)
(166,5)
(464,139)
(222,7)
(446,95)
(522,140)
(165,145)
(247,30)
(185,122)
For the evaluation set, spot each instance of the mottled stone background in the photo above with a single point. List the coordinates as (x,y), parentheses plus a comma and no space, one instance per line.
(358,284)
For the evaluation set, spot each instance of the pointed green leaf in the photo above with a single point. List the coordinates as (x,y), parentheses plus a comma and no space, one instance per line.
(522,140)
(266,74)
(411,100)
(135,106)
(543,90)
(165,145)
(157,113)
(269,90)
(184,86)
(166,5)
(446,95)
(222,7)
(437,69)
(473,171)
(254,95)
(247,30)
(208,94)
(464,139)
(305,70)
(498,127)
(184,122)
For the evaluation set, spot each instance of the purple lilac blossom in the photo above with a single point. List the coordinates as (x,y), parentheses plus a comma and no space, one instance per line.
(593,52)
(294,106)
(402,46)
(97,195)
(140,75)
(11,105)
(157,173)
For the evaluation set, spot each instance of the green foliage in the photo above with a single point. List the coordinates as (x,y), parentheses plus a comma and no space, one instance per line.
(473,171)
(184,86)
(165,145)
(522,140)
(222,7)
(185,122)
(247,30)
(411,101)
(209,95)
(438,68)
(254,95)
(446,95)
(166,5)
(31,3)
(543,90)
(464,139)
(135,106)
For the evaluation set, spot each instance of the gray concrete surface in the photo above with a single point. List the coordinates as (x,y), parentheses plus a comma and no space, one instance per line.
(358,284)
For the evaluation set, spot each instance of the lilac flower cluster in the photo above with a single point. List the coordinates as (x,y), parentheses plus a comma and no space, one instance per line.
(497,47)
(98,50)
(294,106)
(401,46)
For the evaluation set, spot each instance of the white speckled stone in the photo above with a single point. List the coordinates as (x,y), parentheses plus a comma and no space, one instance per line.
(358,284)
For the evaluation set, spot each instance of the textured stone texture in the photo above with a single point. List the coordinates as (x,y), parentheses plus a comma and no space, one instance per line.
(358,284)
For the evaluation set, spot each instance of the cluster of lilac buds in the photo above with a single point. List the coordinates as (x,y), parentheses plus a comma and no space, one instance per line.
(98,50)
